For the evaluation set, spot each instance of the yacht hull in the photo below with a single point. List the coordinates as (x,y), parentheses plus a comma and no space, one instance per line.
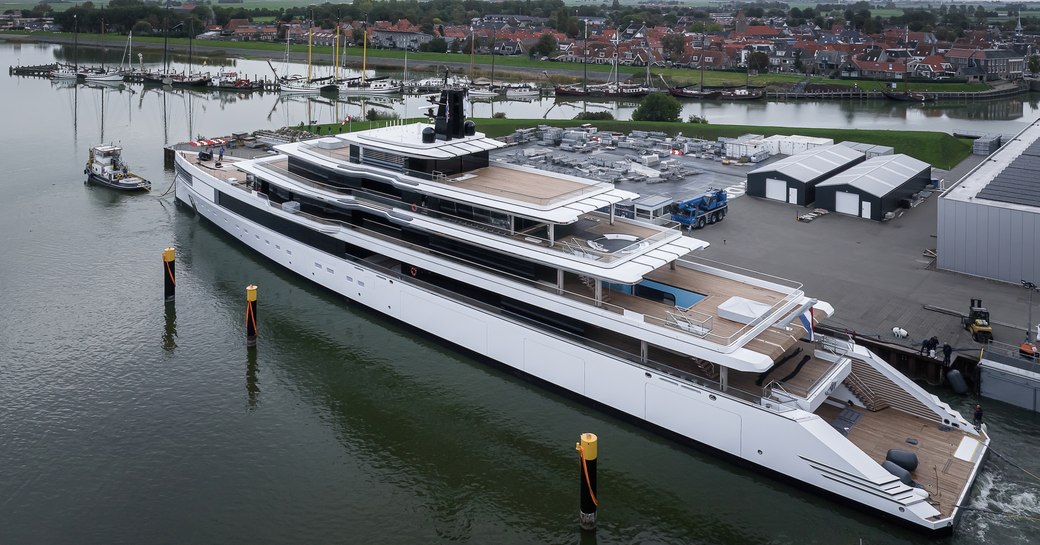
(796,445)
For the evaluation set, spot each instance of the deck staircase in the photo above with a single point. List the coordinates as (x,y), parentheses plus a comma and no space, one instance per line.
(877,392)
(709,369)
(863,392)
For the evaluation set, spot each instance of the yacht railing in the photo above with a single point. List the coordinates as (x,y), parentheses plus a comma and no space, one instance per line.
(760,399)
(571,248)
(693,323)
(703,322)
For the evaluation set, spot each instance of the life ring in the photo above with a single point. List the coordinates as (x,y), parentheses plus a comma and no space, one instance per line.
(413,271)
(414,208)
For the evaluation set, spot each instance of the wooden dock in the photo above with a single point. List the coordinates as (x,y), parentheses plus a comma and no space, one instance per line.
(38,71)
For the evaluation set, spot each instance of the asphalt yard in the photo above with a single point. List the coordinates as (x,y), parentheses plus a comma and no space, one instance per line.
(877,275)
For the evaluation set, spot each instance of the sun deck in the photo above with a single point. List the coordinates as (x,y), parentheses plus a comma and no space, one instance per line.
(704,314)
(497,181)
(940,469)
(228,171)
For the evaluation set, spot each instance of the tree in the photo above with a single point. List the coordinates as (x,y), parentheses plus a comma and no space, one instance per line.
(546,45)
(658,107)
(758,61)
(674,43)
(436,45)
(594,116)
(1034,64)
(142,27)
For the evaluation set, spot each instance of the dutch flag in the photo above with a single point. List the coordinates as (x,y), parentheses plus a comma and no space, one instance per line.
(807,322)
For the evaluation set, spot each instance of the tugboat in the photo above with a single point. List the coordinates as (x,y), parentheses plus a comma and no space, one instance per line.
(106,167)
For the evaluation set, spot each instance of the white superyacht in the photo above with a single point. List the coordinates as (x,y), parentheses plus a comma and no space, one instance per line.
(534,270)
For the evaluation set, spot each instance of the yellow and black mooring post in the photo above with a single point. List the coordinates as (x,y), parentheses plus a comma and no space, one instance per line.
(169,270)
(251,315)
(587,453)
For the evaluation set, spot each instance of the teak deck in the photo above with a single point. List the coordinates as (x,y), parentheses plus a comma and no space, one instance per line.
(520,185)
(938,471)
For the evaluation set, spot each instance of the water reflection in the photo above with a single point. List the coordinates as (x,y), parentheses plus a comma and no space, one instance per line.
(252,380)
(1007,109)
(947,116)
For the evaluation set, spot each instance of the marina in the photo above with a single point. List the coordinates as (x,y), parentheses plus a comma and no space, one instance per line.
(376,434)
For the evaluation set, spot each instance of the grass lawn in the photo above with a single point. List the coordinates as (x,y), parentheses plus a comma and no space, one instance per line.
(937,149)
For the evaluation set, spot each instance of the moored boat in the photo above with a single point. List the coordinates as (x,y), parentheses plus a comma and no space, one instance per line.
(603,90)
(906,96)
(744,93)
(537,271)
(373,86)
(231,81)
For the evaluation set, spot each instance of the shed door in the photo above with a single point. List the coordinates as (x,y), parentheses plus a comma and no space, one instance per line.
(846,203)
(865,209)
(776,190)
(792,195)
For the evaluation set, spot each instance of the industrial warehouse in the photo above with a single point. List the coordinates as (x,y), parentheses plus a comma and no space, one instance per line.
(989,221)
(793,179)
(875,188)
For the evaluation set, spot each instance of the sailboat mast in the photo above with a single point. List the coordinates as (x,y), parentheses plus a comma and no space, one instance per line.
(364,50)
(75,44)
(585,59)
(494,36)
(617,75)
(191,30)
(166,40)
(700,58)
(310,44)
(102,38)
(335,55)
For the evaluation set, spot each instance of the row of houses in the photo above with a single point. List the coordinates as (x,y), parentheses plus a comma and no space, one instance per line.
(894,55)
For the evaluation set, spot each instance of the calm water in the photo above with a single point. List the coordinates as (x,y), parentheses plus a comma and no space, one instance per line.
(119,424)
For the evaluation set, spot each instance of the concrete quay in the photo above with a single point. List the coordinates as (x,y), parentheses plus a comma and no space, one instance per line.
(877,275)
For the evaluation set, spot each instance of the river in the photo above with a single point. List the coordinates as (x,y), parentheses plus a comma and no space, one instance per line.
(120,423)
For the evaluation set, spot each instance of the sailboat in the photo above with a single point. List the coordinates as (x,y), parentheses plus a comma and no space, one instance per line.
(298,84)
(362,85)
(612,88)
(102,75)
(66,71)
(906,95)
(685,91)
(188,78)
(745,93)
(105,165)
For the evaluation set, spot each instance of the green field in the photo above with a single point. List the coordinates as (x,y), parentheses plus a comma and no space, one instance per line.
(937,149)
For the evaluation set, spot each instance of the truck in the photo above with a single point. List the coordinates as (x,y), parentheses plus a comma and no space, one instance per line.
(977,322)
(701,210)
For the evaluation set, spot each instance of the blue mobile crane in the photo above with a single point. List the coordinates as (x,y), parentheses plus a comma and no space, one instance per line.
(701,210)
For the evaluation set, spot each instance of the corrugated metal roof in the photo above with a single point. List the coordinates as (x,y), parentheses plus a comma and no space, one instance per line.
(812,164)
(868,148)
(879,175)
